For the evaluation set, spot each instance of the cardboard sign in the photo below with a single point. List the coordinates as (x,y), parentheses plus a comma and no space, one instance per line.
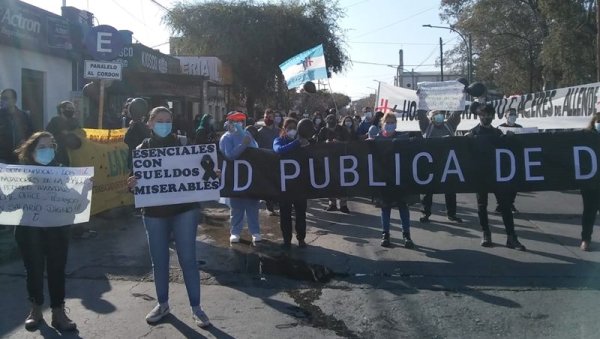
(175,175)
(45,196)
(443,95)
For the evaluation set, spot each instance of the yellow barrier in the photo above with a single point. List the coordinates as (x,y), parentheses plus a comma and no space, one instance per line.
(105,150)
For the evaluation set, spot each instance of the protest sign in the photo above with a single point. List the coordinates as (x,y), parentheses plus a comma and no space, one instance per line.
(397,99)
(45,196)
(511,163)
(442,95)
(175,175)
(105,150)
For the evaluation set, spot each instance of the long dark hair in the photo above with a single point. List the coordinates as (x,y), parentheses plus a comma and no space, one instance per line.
(25,150)
(377,118)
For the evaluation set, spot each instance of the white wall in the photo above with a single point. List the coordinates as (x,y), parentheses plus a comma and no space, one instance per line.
(57,75)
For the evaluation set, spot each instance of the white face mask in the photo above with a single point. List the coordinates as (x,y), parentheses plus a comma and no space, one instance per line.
(348,124)
(277,120)
(292,133)
(318,121)
(597,126)
(511,119)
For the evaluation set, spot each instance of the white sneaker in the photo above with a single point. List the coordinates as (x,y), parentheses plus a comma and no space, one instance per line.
(157,313)
(256,237)
(200,317)
(234,238)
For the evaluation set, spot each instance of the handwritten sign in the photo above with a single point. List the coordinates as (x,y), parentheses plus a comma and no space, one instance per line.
(442,95)
(175,175)
(45,196)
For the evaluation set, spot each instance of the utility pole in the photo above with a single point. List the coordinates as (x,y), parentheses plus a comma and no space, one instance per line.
(598,40)
(442,59)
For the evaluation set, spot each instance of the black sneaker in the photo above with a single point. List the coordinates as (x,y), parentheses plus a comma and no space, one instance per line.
(331,208)
(385,239)
(513,242)
(408,243)
(424,218)
(302,244)
(344,209)
(486,240)
(455,219)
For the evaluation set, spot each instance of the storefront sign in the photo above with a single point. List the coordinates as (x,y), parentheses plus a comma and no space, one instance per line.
(26,26)
(140,58)
(102,70)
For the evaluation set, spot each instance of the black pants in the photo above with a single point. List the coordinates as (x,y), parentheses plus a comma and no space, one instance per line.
(591,205)
(44,247)
(504,204)
(513,196)
(450,203)
(285,219)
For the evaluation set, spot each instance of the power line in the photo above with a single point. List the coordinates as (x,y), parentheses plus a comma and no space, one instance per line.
(388,65)
(397,22)
(395,43)
(160,5)
(129,13)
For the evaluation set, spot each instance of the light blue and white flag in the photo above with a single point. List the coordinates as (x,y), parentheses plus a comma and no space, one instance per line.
(306,66)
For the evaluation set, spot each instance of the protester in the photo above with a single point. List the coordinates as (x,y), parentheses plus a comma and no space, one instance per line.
(197,119)
(435,125)
(485,129)
(232,144)
(332,132)
(62,127)
(293,115)
(205,133)
(277,119)
(15,126)
(511,119)
(180,220)
(125,115)
(391,197)
(137,130)
(365,124)
(287,142)
(590,196)
(266,135)
(348,124)
(375,128)
(318,121)
(44,246)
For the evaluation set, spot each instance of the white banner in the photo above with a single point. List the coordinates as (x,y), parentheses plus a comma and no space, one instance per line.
(45,196)
(175,175)
(441,95)
(576,101)
(397,99)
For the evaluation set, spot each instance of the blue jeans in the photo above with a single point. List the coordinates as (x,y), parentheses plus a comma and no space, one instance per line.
(404,217)
(241,207)
(158,230)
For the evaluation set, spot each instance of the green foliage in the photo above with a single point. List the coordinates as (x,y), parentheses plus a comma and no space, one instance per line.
(255,38)
(525,45)
(320,101)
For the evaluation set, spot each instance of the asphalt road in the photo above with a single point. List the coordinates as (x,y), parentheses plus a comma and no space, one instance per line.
(344,284)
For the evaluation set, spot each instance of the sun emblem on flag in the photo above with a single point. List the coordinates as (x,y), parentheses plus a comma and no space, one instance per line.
(307,62)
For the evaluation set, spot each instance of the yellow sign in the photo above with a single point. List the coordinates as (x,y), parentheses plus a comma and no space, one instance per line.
(105,150)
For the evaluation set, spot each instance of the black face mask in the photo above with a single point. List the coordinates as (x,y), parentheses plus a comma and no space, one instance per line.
(68,113)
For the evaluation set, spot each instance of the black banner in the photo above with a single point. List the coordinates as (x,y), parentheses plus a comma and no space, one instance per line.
(527,162)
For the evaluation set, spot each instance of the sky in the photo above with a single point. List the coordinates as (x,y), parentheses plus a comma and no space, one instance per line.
(375,30)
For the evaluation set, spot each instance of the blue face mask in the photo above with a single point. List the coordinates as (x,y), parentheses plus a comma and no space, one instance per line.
(438,118)
(3,104)
(239,127)
(162,129)
(390,128)
(597,126)
(44,156)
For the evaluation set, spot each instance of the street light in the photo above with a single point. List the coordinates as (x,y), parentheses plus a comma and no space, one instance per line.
(469,47)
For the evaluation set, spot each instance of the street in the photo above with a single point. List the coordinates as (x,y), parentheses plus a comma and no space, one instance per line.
(344,284)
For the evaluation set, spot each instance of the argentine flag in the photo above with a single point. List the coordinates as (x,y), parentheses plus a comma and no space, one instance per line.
(306,66)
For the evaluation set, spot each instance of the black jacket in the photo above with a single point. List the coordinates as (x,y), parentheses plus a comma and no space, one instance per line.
(13,133)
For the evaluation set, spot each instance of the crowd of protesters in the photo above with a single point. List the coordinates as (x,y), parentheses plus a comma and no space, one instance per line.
(282,134)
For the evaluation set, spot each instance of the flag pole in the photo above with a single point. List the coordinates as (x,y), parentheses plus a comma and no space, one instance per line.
(332,97)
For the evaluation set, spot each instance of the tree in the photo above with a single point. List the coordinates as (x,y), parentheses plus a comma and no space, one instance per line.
(255,38)
(525,45)
(320,101)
